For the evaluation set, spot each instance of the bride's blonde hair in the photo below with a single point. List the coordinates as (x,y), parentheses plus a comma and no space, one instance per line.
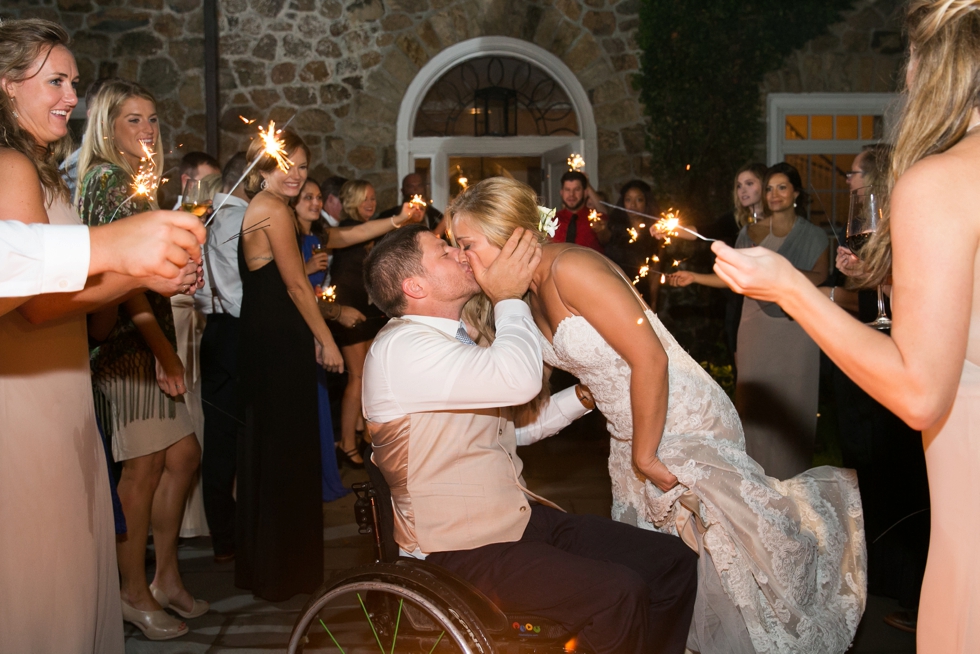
(496,206)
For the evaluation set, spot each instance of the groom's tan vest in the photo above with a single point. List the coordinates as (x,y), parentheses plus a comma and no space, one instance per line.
(455,479)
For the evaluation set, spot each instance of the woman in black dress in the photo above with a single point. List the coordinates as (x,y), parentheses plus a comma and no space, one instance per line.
(630,249)
(279,523)
(347,274)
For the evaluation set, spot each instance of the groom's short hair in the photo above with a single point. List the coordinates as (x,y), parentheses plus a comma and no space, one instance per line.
(392,260)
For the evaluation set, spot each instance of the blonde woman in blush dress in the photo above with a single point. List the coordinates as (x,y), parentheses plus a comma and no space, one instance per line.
(928,371)
(782,563)
(59,590)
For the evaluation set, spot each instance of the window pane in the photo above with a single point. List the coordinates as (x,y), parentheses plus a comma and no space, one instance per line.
(822,127)
(871,127)
(847,128)
(796,128)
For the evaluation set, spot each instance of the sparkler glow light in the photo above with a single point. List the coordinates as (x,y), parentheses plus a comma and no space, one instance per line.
(418,202)
(145,181)
(576,162)
(594,217)
(329,294)
(633,234)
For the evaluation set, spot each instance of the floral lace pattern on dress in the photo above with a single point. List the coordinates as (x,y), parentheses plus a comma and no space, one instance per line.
(790,554)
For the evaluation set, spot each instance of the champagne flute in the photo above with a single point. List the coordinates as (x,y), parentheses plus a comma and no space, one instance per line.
(863,219)
(195,199)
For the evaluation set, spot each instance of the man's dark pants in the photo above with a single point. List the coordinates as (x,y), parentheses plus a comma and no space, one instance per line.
(219,371)
(621,588)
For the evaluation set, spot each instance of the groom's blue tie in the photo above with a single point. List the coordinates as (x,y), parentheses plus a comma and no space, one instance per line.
(463,337)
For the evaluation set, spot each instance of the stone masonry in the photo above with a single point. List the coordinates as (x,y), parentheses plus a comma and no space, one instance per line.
(342,66)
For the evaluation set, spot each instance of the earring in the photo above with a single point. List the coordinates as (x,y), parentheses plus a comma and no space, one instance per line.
(263,184)
(794,204)
(16,115)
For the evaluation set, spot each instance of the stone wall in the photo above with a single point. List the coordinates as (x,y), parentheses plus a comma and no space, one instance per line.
(341,67)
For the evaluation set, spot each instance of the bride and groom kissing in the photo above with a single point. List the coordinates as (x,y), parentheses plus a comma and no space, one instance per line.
(705,551)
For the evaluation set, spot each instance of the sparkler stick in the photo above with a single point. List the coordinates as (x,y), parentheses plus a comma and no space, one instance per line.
(254,228)
(829,217)
(658,219)
(273,148)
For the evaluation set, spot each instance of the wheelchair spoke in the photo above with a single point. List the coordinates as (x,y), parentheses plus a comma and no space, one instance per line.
(370,622)
(437,642)
(398,621)
(333,639)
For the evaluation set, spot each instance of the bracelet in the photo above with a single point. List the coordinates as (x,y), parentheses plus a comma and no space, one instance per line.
(832,289)
(335,312)
(393,223)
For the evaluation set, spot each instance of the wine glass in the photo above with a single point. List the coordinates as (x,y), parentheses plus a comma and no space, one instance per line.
(863,219)
(195,198)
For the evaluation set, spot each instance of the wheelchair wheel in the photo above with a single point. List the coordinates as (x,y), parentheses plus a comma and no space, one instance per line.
(388,608)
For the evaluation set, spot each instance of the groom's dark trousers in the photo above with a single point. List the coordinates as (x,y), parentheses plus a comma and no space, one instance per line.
(623,589)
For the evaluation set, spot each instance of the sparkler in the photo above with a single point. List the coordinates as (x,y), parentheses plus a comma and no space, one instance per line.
(145,181)
(417,202)
(593,217)
(633,234)
(675,226)
(329,294)
(272,146)
(576,162)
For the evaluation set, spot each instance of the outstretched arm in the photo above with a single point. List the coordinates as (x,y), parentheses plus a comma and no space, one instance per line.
(342,237)
(590,288)
(915,373)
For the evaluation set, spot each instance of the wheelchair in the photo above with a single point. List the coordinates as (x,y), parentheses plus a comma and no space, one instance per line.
(411,605)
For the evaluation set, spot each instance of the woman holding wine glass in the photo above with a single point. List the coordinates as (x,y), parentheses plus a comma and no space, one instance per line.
(137,375)
(778,364)
(928,370)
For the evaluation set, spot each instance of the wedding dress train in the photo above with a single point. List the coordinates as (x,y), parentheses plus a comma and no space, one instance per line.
(783,563)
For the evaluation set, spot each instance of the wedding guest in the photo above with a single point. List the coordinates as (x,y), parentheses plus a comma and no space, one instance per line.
(69,167)
(57,546)
(413,184)
(347,274)
(927,370)
(886,452)
(747,197)
(333,206)
(279,521)
(220,299)
(195,166)
(573,218)
(630,243)
(138,377)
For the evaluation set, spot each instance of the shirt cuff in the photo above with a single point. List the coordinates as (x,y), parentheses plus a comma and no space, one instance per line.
(568,403)
(507,308)
(67,253)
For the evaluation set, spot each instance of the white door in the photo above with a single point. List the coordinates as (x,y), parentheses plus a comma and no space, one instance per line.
(555,164)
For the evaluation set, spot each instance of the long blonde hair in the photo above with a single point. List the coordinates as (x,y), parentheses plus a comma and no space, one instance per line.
(21,43)
(99,144)
(496,206)
(944,42)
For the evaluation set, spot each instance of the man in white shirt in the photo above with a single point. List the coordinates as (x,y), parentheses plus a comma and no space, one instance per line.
(40,258)
(440,411)
(195,165)
(221,300)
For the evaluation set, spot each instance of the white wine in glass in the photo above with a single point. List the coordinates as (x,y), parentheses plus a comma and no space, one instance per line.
(863,220)
(195,199)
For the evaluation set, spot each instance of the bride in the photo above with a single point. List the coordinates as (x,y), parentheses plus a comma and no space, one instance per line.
(782,562)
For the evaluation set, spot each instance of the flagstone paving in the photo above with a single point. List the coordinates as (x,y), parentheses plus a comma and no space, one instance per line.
(570,469)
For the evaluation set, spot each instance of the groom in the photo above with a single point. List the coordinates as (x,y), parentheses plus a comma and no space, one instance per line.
(439,411)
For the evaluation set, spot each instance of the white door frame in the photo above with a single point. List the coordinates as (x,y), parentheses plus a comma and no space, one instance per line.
(439,149)
(780,105)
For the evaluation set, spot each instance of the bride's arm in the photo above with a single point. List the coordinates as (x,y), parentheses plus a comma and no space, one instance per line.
(588,287)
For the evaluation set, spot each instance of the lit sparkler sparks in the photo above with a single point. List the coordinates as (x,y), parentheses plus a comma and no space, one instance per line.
(462,182)
(329,294)
(273,146)
(633,234)
(593,217)
(417,202)
(576,162)
(246,120)
(145,181)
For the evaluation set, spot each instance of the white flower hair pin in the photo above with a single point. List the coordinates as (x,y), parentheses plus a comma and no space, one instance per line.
(547,222)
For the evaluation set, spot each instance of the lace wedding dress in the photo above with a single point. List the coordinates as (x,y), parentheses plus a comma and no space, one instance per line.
(783,563)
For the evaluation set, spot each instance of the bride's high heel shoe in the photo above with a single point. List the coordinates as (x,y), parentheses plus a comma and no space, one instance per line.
(155,625)
(200,606)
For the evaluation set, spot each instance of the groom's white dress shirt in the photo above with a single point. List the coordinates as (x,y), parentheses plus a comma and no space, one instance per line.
(40,258)
(414,369)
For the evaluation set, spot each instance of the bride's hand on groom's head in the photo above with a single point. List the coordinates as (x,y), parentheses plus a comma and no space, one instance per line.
(509,275)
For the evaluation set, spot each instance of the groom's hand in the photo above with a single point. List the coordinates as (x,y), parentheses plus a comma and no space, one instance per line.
(509,276)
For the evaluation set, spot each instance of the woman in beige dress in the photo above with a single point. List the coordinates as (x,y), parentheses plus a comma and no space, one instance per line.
(59,590)
(928,371)
(138,377)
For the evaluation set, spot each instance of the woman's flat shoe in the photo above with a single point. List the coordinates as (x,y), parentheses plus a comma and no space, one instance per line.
(200,606)
(155,625)
(345,456)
